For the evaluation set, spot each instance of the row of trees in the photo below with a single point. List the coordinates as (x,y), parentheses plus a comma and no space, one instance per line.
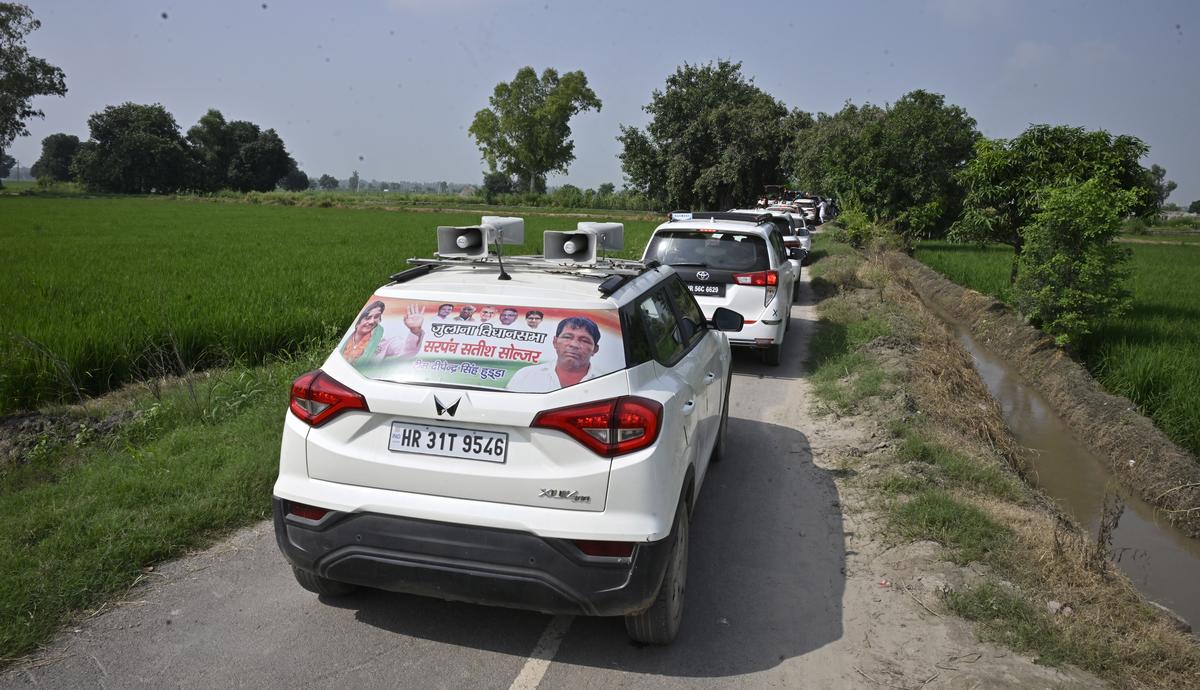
(139,149)
(1055,194)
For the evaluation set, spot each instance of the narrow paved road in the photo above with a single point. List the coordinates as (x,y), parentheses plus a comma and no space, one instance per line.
(768,581)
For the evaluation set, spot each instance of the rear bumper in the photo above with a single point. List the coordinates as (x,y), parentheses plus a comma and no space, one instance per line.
(480,565)
(758,335)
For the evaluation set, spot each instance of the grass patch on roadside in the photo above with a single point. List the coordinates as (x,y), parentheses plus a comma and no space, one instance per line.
(843,374)
(949,467)
(79,522)
(1007,616)
(967,531)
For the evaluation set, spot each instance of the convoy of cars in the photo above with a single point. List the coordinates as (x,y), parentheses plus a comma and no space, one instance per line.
(533,432)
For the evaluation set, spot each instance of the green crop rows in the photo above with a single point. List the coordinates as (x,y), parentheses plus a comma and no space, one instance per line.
(98,292)
(1151,355)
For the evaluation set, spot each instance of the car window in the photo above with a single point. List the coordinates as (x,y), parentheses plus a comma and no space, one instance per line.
(727,251)
(666,342)
(637,347)
(777,243)
(692,319)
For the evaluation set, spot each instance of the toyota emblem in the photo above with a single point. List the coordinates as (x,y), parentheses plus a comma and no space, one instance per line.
(702,275)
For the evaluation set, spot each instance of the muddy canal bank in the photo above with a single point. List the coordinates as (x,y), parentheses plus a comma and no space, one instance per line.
(1134,452)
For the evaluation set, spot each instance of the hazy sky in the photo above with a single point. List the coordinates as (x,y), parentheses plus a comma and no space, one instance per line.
(389,87)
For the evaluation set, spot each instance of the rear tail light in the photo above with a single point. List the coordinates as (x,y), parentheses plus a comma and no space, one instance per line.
(760,278)
(767,279)
(306,511)
(317,398)
(611,549)
(607,427)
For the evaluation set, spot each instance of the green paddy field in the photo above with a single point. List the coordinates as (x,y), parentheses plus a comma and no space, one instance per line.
(98,292)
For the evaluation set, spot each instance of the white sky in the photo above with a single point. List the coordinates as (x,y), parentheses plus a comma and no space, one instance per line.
(389,87)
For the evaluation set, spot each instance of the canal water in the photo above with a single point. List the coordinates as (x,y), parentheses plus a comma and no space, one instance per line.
(1163,563)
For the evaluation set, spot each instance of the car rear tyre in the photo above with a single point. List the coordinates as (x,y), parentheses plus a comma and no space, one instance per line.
(659,624)
(719,450)
(771,354)
(322,585)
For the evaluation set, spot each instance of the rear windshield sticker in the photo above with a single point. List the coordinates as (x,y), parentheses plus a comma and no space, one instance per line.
(524,349)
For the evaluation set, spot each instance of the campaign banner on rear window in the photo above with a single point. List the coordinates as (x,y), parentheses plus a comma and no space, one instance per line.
(525,349)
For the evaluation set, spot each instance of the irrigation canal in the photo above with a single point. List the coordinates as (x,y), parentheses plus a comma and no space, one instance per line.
(1162,562)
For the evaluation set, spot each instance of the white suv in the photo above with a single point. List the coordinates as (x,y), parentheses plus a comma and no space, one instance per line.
(536,443)
(736,261)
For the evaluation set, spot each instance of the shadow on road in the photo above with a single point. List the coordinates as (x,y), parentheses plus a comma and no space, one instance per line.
(766,578)
(766,570)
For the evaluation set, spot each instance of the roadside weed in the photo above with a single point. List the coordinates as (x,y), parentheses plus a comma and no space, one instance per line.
(935,515)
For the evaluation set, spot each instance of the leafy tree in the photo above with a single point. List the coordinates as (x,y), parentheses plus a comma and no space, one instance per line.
(1194,207)
(1005,181)
(1160,187)
(212,144)
(1072,273)
(260,164)
(295,180)
(328,183)
(714,139)
(58,150)
(238,155)
(353,181)
(133,149)
(606,189)
(897,162)
(831,156)
(6,164)
(22,76)
(526,131)
(568,196)
(496,183)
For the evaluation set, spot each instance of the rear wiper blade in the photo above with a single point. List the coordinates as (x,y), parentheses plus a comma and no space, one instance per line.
(691,264)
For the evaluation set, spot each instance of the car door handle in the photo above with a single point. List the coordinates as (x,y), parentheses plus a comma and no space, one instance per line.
(709,378)
(689,407)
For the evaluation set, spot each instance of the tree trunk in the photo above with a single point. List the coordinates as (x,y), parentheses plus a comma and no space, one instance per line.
(1012,275)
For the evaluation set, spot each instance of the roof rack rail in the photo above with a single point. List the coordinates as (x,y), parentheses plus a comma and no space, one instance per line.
(410,273)
(616,272)
(756,217)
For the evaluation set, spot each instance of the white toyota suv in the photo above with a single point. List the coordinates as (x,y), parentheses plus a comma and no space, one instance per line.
(736,261)
(536,442)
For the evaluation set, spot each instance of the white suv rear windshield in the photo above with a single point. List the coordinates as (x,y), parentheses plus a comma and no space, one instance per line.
(728,251)
(522,348)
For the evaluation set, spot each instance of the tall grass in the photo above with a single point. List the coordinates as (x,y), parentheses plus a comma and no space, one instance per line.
(1151,355)
(101,291)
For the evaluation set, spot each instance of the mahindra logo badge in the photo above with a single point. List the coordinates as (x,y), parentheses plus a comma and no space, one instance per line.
(702,275)
(441,407)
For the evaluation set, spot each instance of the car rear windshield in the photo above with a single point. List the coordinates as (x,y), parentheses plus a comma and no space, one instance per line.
(457,342)
(723,251)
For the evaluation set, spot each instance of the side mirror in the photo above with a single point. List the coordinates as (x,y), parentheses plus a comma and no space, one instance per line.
(727,320)
(795,253)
